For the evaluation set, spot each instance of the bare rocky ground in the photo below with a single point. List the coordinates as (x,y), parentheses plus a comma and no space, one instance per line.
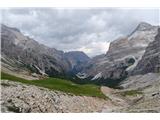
(22,73)
(18,97)
(149,85)
(144,97)
(140,93)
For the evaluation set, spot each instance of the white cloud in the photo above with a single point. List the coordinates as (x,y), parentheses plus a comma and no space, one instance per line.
(89,30)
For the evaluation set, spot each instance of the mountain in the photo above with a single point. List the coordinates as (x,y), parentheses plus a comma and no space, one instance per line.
(146,78)
(76,59)
(147,69)
(150,61)
(21,52)
(123,55)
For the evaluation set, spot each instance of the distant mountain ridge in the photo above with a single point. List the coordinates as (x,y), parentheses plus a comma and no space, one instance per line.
(23,51)
(76,59)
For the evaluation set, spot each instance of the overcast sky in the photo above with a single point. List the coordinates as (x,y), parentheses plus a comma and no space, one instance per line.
(88,30)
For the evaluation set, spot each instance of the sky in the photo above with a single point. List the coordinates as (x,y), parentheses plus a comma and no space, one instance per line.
(87,29)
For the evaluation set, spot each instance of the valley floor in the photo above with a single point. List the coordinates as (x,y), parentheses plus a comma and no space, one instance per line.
(21,97)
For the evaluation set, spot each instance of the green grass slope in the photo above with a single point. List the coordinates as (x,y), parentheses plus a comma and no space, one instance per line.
(59,84)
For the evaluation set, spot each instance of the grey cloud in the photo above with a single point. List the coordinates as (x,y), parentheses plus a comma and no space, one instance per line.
(77,29)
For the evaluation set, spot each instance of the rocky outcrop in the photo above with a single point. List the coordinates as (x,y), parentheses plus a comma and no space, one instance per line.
(149,85)
(123,54)
(18,97)
(150,61)
(141,81)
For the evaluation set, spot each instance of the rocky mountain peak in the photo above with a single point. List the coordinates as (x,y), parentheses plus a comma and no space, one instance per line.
(76,59)
(4,27)
(144,26)
(79,55)
(140,28)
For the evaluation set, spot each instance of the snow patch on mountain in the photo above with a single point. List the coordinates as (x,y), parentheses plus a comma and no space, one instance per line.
(81,75)
(99,75)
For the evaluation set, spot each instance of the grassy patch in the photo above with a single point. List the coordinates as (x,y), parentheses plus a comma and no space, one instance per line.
(61,85)
(131,93)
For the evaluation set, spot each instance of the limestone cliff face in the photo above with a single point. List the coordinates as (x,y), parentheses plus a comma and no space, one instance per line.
(150,61)
(123,54)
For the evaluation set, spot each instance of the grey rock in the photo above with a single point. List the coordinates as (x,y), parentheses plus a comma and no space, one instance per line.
(149,85)
(123,54)
(150,61)
(77,60)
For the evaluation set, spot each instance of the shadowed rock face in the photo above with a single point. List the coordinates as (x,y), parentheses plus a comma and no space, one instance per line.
(150,61)
(76,59)
(26,52)
(123,54)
